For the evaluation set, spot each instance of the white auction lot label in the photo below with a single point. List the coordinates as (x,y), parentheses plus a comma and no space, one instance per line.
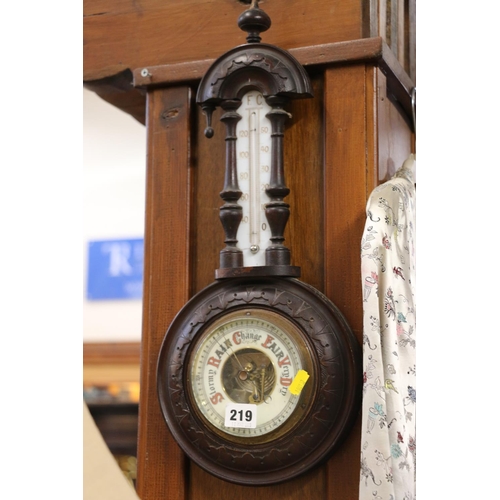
(241,415)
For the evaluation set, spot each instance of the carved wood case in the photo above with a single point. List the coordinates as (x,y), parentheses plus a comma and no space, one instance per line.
(329,406)
(326,410)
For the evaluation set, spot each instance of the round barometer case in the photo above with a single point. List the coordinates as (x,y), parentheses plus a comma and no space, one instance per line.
(258,379)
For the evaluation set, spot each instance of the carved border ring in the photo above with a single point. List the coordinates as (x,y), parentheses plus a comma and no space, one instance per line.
(336,404)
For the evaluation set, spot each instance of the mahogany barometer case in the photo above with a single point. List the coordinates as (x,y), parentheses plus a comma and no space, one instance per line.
(259,374)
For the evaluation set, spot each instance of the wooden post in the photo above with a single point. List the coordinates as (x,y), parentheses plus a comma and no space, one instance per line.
(362,128)
(348,168)
(161,463)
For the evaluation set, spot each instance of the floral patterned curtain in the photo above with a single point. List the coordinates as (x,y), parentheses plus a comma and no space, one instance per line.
(388,438)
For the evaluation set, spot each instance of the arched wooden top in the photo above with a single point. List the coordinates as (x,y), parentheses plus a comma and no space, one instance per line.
(265,67)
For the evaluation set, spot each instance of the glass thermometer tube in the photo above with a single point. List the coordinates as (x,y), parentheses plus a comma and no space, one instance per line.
(254,183)
(253,162)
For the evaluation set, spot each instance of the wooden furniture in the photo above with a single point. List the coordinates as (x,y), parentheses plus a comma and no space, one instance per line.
(110,362)
(111,390)
(354,134)
(121,36)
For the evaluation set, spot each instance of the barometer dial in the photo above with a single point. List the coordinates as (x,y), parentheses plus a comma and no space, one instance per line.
(245,369)
(259,379)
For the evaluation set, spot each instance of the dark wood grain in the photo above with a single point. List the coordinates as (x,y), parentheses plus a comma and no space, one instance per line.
(364,132)
(166,280)
(345,187)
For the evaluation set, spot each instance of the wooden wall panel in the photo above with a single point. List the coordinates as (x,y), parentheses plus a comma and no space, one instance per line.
(209,164)
(304,158)
(345,187)
(125,34)
(166,280)
(348,119)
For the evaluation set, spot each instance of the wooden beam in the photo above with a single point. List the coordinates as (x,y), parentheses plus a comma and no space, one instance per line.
(183,37)
(125,34)
(119,90)
(365,49)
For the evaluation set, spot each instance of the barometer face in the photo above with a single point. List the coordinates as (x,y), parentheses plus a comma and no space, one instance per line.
(248,375)
(259,379)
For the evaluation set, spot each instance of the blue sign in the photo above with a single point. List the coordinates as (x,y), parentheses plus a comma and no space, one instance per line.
(115,269)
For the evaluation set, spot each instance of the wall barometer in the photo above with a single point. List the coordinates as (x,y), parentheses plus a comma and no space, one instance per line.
(259,374)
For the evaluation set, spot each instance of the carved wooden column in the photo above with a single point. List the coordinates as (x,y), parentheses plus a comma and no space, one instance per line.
(277,211)
(231,212)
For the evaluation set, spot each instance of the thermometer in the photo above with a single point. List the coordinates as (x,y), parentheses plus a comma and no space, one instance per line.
(253,149)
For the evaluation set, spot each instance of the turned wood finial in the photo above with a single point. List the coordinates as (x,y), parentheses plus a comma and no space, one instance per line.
(254,21)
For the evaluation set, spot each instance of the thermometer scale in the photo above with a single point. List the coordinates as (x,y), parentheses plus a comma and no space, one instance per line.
(253,148)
